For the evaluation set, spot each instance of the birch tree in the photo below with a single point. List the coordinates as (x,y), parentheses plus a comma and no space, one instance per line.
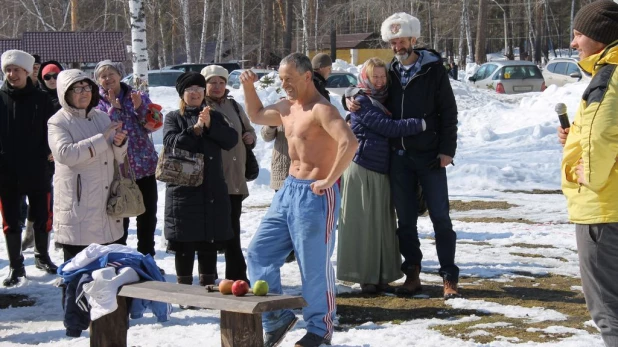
(186,18)
(462,31)
(204,32)
(139,48)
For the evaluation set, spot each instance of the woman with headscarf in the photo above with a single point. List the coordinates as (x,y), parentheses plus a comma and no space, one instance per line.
(124,104)
(197,219)
(234,161)
(368,250)
(84,143)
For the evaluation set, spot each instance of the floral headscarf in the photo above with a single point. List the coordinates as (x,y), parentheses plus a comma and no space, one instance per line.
(368,88)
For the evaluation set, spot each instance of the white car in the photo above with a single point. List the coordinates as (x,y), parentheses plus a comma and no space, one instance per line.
(560,71)
(509,77)
(234,77)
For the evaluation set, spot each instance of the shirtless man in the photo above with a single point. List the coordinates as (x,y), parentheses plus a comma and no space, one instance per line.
(304,212)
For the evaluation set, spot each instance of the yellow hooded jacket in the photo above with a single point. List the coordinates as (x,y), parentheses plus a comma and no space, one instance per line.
(593,138)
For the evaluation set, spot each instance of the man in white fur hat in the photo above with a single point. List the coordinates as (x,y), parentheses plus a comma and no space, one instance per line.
(419,87)
(24,152)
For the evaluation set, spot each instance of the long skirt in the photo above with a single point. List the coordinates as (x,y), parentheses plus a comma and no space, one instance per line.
(368,248)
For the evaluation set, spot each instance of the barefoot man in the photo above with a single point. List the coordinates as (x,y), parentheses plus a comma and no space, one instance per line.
(304,212)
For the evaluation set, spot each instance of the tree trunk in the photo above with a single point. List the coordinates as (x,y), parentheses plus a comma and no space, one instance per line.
(571,26)
(462,31)
(305,17)
(538,41)
(317,11)
(139,45)
(204,37)
(186,19)
(219,57)
(469,40)
(333,41)
(287,37)
(74,15)
(481,27)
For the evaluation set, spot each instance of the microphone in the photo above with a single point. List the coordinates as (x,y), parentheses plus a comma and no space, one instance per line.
(561,110)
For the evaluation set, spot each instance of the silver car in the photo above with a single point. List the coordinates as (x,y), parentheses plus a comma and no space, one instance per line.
(509,77)
(338,82)
(234,77)
(560,71)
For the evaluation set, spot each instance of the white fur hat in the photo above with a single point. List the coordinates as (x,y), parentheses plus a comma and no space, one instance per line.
(215,70)
(399,25)
(19,58)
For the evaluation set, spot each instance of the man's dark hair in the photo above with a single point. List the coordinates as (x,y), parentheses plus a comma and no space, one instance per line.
(300,61)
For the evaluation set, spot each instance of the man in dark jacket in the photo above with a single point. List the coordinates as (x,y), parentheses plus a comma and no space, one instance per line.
(322,66)
(420,88)
(24,154)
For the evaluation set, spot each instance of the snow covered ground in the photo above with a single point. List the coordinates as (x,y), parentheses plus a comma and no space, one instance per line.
(505,143)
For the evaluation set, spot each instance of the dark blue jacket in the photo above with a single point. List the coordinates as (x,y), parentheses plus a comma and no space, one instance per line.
(372,127)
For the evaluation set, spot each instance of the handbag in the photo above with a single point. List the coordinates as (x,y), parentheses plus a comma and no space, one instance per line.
(252,168)
(125,198)
(180,167)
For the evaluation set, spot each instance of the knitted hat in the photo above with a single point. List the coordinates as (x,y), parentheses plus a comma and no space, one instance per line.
(599,21)
(18,58)
(321,60)
(37,59)
(215,70)
(119,67)
(50,68)
(400,25)
(187,79)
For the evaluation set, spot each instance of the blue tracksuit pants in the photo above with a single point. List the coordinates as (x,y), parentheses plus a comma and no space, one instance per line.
(300,220)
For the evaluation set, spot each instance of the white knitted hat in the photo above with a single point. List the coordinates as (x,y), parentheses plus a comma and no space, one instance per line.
(19,58)
(400,25)
(215,70)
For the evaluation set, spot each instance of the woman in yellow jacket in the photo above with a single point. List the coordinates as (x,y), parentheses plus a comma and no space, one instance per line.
(589,167)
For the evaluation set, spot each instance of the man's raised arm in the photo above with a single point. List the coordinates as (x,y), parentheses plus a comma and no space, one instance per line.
(253,106)
(336,127)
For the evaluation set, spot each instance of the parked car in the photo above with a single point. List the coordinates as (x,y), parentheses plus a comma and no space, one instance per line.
(158,78)
(338,82)
(198,67)
(509,77)
(560,71)
(234,78)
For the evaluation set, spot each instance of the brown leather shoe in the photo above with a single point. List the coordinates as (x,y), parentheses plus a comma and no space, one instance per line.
(412,285)
(450,290)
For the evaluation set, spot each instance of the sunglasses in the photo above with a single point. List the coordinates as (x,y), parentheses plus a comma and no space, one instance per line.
(49,76)
(79,90)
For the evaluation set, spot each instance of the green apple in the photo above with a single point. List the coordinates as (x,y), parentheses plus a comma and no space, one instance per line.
(260,288)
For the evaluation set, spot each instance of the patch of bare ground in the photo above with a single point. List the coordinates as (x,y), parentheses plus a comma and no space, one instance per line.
(547,291)
(535,255)
(462,206)
(494,220)
(536,191)
(15,300)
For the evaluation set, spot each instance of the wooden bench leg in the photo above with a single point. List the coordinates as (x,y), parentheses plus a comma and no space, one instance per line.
(111,329)
(241,330)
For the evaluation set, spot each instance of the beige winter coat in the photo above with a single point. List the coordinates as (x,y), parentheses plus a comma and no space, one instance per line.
(234,159)
(84,170)
(280,161)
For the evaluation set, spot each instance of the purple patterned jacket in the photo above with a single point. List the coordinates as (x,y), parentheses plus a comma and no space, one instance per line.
(141,151)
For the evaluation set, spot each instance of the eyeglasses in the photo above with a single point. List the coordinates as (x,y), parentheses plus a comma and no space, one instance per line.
(195,90)
(49,76)
(79,90)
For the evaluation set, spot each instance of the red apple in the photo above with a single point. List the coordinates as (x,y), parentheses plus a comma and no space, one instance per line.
(240,288)
(225,286)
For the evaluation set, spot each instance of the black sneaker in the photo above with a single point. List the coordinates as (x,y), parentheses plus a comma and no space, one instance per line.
(312,340)
(274,338)
(14,276)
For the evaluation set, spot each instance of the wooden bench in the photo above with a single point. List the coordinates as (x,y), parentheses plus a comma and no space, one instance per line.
(241,317)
